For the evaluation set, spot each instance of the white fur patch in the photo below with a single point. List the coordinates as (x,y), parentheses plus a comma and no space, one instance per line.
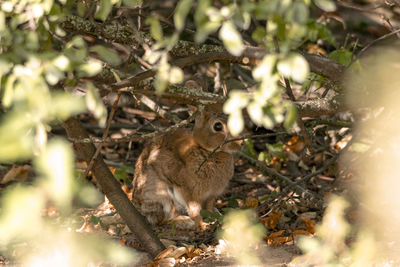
(177,197)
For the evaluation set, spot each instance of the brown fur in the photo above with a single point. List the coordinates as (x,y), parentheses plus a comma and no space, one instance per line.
(166,186)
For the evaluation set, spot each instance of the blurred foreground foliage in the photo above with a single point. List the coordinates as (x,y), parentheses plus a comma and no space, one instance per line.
(38,61)
(33,66)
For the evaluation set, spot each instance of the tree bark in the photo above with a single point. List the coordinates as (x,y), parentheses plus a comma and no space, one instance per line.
(112,189)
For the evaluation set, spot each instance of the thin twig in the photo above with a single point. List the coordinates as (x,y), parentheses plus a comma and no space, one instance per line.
(307,138)
(135,137)
(233,140)
(268,171)
(305,179)
(105,134)
(289,92)
(372,43)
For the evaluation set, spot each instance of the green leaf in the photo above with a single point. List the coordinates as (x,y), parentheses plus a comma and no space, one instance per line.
(181,13)
(231,38)
(53,75)
(295,67)
(63,105)
(298,12)
(255,111)
(259,34)
(106,54)
(205,29)
(81,8)
(325,5)
(205,213)
(341,56)
(17,145)
(61,62)
(175,75)
(95,104)
(155,28)
(291,116)
(132,3)
(265,68)
(235,123)
(237,100)
(201,10)
(9,91)
(56,165)
(242,19)
(103,10)
(90,68)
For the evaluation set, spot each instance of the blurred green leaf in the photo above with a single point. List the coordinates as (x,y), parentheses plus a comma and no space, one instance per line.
(297,12)
(56,165)
(9,91)
(201,9)
(258,34)
(231,38)
(264,68)
(255,111)
(104,8)
(175,75)
(341,56)
(132,3)
(155,28)
(106,54)
(205,29)
(295,67)
(62,105)
(242,233)
(325,5)
(235,123)
(81,8)
(237,101)
(95,104)
(291,115)
(90,68)
(181,13)
(20,205)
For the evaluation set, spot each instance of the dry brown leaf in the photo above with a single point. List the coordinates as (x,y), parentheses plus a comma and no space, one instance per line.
(251,202)
(126,190)
(177,253)
(276,234)
(315,49)
(165,253)
(221,205)
(272,220)
(112,169)
(295,144)
(195,253)
(50,211)
(167,262)
(300,232)
(275,239)
(310,225)
(86,226)
(16,173)
(343,143)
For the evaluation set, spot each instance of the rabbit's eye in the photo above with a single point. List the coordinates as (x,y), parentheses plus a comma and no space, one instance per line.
(218,126)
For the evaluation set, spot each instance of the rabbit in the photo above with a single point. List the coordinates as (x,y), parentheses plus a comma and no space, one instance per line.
(168,184)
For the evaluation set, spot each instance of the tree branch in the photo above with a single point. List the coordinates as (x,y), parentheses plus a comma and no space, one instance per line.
(193,53)
(112,189)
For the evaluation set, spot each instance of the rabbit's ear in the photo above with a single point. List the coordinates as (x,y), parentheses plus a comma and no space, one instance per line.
(200,118)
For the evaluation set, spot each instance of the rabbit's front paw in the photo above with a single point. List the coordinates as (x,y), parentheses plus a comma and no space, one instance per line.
(184,222)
